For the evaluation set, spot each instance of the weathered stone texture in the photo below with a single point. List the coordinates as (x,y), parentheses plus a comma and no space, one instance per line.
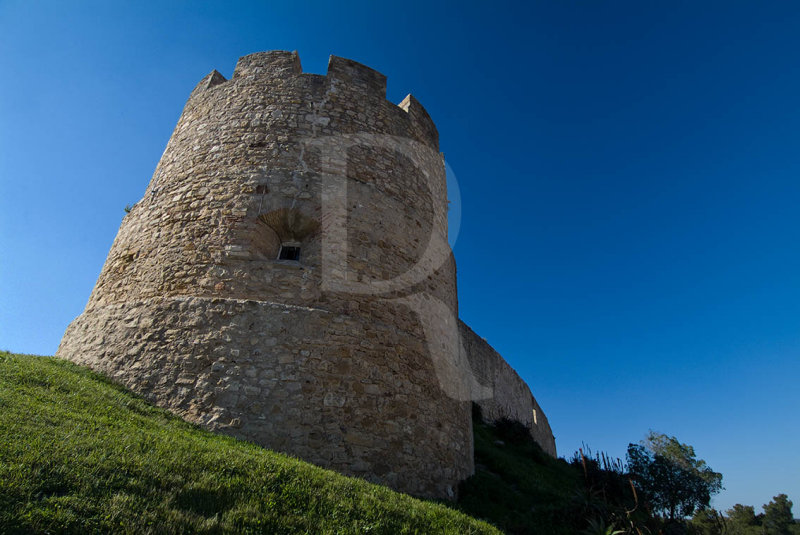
(323,357)
(327,387)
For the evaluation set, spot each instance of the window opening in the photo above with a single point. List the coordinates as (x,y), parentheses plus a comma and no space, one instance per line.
(289,252)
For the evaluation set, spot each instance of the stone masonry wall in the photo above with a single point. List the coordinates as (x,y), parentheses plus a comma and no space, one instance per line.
(344,356)
(326,387)
(511,399)
(194,310)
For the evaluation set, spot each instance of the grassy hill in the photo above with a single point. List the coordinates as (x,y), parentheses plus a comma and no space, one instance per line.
(79,454)
(520,488)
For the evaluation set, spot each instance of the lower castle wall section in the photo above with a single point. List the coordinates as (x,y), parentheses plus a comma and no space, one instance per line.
(510,397)
(339,391)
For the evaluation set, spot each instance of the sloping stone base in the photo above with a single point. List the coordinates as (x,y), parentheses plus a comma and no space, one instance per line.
(329,388)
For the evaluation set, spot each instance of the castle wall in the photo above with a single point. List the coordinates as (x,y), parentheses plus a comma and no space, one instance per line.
(194,310)
(326,387)
(246,147)
(346,356)
(511,397)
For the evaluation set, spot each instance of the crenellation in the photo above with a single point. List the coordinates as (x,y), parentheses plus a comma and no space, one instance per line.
(355,76)
(212,79)
(274,64)
(422,125)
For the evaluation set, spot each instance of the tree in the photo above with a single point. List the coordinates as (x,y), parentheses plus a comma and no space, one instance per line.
(744,515)
(742,519)
(707,521)
(778,516)
(670,476)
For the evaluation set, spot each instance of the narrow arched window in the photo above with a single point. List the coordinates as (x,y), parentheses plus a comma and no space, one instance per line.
(286,232)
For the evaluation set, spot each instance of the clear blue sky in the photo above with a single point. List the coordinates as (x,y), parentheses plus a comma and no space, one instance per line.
(629,173)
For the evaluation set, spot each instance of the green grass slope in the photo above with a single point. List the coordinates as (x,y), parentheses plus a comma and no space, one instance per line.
(518,487)
(81,455)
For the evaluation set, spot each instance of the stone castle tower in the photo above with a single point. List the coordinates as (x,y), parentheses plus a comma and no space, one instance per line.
(286,279)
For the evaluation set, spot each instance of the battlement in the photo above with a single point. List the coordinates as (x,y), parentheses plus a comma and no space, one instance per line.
(274,63)
(356,76)
(210,80)
(420,118)
(345,75)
